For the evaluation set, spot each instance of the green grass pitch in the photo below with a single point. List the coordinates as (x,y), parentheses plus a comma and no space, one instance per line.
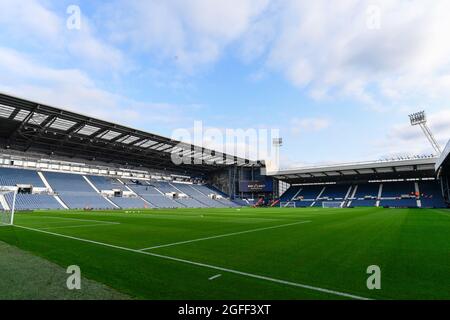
(274,253)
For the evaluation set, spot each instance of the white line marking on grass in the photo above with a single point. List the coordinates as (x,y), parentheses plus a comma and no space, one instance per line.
(215,277)
(204,265)
(82,226)
(223,235)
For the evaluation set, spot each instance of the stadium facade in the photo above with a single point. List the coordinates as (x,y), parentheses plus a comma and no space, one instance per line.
(58,159)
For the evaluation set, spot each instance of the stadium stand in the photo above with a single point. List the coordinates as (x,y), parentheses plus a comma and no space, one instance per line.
(33,202)
(399,203)
(335,192)
(367,190)
(12,177)
(303,196)
(398,194)
(304,204)
(243,202)
(129,168)
(366,195)
(130,202)
(195,193)
(106,183)
(150,194)
(431,195)
(290,194)
(181,195)
(310,192)
(223,199)
(317,204)
(219,196)
(164,194)
(75,191)
(58,142)
(400,182)
(363,203)
(397,189)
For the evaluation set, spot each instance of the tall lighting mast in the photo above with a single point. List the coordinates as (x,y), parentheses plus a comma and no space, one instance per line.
(420,119)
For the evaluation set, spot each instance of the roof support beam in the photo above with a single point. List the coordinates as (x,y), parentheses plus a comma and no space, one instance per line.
(27,136)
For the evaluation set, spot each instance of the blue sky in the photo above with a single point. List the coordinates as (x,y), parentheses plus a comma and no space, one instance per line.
(337,79)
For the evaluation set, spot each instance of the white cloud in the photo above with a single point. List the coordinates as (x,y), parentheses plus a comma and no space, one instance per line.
(17,67)
(324,48)
(188,33)
(304,125)
(37,26)
(328,50)
(25,18)
(92,51)
(405,139)
(74,90)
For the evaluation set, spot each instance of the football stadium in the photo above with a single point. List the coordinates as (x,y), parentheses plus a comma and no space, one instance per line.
(207,159)
(76,190)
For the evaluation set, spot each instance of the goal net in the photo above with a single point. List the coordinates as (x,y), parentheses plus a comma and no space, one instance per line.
(7,206)
(287,204)
(332,204)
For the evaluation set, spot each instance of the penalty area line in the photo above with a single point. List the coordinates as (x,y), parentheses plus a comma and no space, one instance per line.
(204,265)
(214,277)
(224,235)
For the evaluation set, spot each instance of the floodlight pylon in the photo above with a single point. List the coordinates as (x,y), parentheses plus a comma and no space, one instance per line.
(420,119)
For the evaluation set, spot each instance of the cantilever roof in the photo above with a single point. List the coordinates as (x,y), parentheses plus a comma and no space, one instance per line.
(443,163)
(31,126)
(383,169)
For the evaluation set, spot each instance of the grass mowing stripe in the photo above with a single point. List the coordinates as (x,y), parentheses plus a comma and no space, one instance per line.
(75,219)
(223,235)
(250,275)
(82,226)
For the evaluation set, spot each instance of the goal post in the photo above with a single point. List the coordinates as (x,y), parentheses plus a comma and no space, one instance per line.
(7,206)
(332,204)
(287,204)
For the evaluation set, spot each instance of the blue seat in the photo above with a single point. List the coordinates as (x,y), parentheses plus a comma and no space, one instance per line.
(33,202)
(431,194)
(13,177)
(75,192)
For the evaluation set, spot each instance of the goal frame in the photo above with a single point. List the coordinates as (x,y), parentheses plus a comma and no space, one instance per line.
(12,208)
(288,204)
(338,203)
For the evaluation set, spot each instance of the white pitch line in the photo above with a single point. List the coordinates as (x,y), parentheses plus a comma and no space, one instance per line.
(204,265)
(223,235)
(215,277)
(82,226)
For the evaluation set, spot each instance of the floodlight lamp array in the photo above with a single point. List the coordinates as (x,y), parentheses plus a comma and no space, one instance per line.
(417,118)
